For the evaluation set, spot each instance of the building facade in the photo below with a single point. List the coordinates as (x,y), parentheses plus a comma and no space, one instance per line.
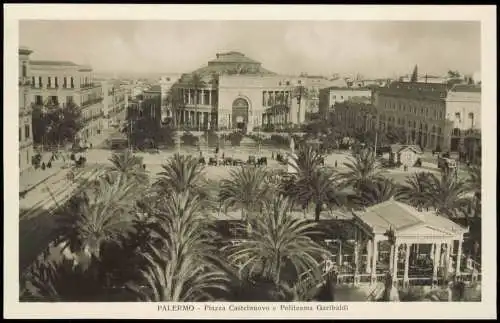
(330,96)
(25,108)
(463,110)
(166,84)
(56,84)
(115,101)
(235,92)
(418,109)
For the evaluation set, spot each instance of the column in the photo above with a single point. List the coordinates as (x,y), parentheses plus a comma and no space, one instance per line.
(437,255)
(369,248)
(202,96)
(459,257)
(433,252)
(450,259)
(391,258)
(374,261)
(356,260)
(395,265)
(210,97)
(340,254)
(407,264)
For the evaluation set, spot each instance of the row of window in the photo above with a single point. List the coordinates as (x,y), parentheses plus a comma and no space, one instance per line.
(52,100)
(392,121)
(53,82)
(413,108)
(459,116)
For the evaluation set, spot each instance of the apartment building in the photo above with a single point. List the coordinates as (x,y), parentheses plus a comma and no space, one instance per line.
(330,96)
(56,84)
(25,108)
(115,101)
(463,110)
(417,108)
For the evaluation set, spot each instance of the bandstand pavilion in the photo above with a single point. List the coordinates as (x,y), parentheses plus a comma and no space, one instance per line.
(412,235)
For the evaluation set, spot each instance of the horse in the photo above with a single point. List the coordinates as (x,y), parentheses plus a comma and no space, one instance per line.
(262,161)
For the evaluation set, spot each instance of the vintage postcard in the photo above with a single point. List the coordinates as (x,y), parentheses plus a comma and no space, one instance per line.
(182,161)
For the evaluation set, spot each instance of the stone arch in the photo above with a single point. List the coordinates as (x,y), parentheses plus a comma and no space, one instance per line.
(241,113)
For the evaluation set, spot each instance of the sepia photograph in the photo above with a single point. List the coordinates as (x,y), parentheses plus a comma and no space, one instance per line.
(241,161)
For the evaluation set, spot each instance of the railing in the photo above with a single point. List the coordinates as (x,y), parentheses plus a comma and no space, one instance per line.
(24,82)
(91,102)
(89,86)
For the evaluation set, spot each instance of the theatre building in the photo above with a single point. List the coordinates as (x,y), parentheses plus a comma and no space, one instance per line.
(235,92)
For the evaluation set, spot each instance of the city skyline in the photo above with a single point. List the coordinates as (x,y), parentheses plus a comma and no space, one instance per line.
(381,49)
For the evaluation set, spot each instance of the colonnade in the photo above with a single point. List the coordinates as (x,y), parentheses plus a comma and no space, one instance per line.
(441,255)
(193,118)
(204,97)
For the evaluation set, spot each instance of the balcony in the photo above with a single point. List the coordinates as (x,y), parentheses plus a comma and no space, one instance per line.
(90,102)
(100,115)
(89,85)
(24,82)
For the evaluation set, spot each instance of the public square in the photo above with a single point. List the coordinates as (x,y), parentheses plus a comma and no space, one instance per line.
(383,204)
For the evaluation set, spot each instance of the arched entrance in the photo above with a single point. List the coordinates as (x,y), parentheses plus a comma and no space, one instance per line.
(239,117)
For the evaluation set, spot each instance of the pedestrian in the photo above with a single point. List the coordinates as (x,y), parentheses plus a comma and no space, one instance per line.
(43,165)
(144,166)
(272,155)
(335,164)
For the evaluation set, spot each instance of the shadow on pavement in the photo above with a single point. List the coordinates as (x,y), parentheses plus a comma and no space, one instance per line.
(35,234)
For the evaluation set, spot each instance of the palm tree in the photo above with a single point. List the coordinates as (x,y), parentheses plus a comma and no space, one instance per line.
(48,281)
(320,188)
(362,168)
(447,194)
(474,185)
(180,174)
(312,183)
(307,161)
(128,167)
(416,191)
(279,240)
(300,92)
(100,215)
(246,189)
(376,192)
(181,268)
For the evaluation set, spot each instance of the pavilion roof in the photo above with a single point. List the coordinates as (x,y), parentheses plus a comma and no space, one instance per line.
(405,219)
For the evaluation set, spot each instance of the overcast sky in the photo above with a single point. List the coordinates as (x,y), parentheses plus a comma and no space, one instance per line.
(370,48)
